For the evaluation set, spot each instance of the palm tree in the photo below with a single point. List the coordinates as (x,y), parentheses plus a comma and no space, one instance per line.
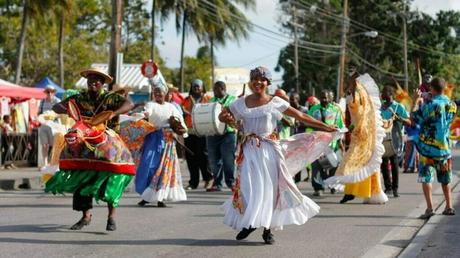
(223,21)
(30,10)
(62,8)
(212,21)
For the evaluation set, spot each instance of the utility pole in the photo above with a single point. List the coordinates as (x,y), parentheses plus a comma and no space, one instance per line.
(406,72)
(182,73)
(115,42)
(152,50)
(213,78)
(296,49)
(343,46)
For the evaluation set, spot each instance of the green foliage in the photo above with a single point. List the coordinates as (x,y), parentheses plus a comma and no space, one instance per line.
(430,40)
(198,67)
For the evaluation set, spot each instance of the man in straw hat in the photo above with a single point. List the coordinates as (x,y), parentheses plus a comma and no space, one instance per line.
(111,167)
(44,131)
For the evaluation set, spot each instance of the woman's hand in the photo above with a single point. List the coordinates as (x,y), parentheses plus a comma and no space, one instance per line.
(331,128)
(176,125)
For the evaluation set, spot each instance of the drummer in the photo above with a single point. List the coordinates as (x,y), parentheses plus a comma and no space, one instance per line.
(330,114)
(222,148)
(395,111)
(197,144)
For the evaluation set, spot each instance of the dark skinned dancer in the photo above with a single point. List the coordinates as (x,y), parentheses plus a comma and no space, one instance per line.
(95,181)
(265,194)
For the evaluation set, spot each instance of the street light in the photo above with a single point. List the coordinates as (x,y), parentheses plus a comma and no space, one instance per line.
(370,34)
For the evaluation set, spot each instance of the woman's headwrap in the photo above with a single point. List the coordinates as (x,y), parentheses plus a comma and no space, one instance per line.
(261,71)
(161,87)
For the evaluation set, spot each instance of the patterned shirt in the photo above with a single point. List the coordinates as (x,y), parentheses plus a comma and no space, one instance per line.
(398,109)
(330,115)
(226,101)
(106,101)
(434,118)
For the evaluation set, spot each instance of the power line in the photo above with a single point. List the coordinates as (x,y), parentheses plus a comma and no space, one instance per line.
(271,33)
(212,5)
(364,27)
(375,66)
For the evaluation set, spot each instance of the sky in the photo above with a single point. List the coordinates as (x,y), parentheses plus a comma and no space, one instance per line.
(257,49)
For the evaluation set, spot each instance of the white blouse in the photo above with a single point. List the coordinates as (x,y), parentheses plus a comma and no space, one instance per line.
(259,120)
(159,114)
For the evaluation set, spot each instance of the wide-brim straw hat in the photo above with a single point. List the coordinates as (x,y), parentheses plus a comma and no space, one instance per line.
(171,87)
(97,71)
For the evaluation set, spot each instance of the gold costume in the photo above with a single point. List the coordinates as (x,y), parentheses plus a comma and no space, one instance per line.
(360,167)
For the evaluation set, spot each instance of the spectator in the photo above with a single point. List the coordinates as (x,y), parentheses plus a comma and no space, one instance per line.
(45,133)
(434,118)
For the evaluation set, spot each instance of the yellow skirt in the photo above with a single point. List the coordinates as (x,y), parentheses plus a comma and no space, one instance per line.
(366,188)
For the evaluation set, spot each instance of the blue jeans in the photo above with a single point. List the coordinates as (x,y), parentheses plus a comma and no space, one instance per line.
(221,155)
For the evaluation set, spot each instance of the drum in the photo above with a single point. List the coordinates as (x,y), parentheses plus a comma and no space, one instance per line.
(205,119)
(330,160)
(393,141)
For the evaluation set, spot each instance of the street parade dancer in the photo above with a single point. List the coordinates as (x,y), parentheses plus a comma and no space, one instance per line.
(95,162)
(158,176)
(360,166)
(265,194)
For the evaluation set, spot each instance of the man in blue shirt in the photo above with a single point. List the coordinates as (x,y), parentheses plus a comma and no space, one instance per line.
(392,110)
(434,117)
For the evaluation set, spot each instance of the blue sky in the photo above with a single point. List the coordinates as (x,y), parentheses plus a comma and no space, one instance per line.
(257,49)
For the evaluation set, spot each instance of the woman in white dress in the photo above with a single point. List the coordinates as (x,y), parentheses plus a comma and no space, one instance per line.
(158,175)
(265,194)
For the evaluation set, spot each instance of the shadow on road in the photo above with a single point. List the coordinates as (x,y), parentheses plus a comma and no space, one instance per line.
(130,242)
(48,228)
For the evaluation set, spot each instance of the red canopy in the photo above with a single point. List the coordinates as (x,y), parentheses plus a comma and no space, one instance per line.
(14,91)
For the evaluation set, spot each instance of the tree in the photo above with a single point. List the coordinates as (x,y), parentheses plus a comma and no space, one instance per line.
(433,40)
(29,10)
(212,21)
(61,9)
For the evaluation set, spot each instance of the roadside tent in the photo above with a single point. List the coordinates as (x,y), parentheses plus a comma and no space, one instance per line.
(18,93)
(45,82)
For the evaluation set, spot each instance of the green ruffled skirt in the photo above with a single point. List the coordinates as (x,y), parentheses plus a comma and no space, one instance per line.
(103,186)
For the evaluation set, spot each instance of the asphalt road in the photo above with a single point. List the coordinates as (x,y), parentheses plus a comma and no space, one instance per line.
(34,224)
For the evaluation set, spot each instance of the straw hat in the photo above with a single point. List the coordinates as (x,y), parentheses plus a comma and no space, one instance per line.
(171,87)
(97,71)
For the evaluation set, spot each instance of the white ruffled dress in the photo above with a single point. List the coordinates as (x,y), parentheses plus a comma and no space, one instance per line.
(268,195)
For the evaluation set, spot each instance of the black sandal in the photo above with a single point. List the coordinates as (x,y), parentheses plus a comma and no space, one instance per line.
(428,214)
(81,223)
(449,212)
(161,205)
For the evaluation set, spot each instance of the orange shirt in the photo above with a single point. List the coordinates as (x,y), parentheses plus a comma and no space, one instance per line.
(188,107)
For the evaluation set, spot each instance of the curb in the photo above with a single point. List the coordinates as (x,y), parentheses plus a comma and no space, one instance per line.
(21,183)
(405,239)
(420,240)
